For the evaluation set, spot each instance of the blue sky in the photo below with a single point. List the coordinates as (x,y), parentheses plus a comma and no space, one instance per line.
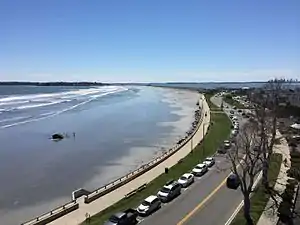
(149,40)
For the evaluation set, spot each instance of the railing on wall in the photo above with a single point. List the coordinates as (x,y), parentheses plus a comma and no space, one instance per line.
(54,214)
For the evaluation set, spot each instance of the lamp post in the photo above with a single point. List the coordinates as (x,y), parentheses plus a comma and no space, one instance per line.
(203,131)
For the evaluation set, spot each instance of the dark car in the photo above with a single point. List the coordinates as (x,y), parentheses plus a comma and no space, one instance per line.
(128,217)
(169,191)
(233,181)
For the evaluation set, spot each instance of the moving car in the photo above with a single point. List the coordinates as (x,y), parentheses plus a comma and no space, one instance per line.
(169,191)
(233,181)
(149,205)
(186,179)
(200,169)
(128,217)
(209,161)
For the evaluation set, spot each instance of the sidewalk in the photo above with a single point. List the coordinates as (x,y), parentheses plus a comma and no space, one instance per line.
(269,216)
(78,216)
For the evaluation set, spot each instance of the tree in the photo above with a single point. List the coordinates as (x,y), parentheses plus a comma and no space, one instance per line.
(246,162)
(267,102)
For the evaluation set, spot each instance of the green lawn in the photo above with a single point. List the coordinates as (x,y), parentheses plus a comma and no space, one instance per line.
(212,106)
(259,199)
(218,132)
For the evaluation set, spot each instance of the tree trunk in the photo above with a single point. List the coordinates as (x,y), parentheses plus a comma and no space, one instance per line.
(265,179)
(247,206)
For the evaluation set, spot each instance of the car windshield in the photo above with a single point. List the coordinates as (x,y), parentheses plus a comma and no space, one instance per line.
(183,178)
(165,190)
(114,219)
(146,203)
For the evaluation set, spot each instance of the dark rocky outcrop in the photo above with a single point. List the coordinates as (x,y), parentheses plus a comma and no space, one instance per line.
(57,137)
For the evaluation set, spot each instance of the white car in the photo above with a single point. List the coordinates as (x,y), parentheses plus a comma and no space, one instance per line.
(234,133)
(186,179)
(227,144)
(209,161)
(149,205)
(200,169)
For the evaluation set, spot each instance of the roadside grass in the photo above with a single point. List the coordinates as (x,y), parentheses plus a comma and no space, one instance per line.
(218,132)
(260,199)
(212,106)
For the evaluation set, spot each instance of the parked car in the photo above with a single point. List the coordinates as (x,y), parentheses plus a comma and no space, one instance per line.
(169,191)
(128,217)
(222,150)
(233,181)
(231,112)
(186,179)
(227,144)
(209,161)
(149,205)
(200,169)
(234,133)
(256,148)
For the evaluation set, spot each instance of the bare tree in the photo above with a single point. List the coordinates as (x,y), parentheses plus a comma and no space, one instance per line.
(266,113)
(246,163)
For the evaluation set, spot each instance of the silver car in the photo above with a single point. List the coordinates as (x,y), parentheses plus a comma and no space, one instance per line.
(186,179)
(149,205)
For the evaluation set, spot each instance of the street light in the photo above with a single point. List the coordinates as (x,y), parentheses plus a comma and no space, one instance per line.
(203,131)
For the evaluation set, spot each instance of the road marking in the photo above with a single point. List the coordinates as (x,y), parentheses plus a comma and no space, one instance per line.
(202,203)
(190,214)
(231,218)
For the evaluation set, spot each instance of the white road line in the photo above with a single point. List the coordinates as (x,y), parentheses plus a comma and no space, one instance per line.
(231,218)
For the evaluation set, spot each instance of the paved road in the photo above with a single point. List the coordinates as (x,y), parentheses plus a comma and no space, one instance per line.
(214,202)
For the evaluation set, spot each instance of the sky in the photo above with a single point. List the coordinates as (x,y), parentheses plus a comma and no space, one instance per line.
(149,40)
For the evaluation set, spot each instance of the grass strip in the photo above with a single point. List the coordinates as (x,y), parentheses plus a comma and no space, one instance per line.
(218,132)
(260,199)
(211,105)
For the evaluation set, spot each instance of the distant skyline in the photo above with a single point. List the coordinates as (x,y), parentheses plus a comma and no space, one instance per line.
(149,41)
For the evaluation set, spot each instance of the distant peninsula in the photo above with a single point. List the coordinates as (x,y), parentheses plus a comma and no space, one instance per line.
(15,83)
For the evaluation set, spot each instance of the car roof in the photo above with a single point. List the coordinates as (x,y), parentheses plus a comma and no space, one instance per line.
(232,176)
(169,186)
(201,164)
(151,198)
(119,214)
(209,158)
(186,175)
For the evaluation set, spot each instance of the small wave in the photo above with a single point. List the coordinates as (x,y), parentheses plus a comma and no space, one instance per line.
(38,105)
(13,119)
(64,110)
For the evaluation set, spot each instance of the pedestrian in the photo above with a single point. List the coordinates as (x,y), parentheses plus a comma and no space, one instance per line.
(74,134)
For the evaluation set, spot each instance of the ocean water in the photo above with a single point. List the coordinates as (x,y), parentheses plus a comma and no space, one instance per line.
(116,130)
